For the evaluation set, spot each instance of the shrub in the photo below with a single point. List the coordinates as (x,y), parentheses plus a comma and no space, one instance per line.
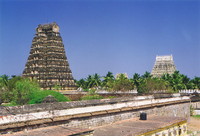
(38,96)
(7,86)
(92,91)
(122,83)
(92,97)
(86,90)
(23,90)
(110,97)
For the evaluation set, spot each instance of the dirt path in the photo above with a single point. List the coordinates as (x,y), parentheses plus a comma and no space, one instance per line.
(194,125)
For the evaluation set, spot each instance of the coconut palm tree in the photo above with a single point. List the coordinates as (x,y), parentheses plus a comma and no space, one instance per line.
(93,81)
(147,75)
(109,76)
(97,79)
(136,80)
(82,83)
(108,81)
(178,81)
(4,83)
(196,82)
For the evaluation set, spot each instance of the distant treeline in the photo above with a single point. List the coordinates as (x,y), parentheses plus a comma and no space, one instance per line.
(145,83)
(17,90)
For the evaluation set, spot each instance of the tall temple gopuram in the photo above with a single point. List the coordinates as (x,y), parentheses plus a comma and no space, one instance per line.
(163,65)
(47,61)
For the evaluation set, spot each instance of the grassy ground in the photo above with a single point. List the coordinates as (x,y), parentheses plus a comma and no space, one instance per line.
(196,116)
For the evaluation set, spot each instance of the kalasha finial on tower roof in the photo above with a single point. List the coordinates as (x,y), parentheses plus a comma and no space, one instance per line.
(48,27)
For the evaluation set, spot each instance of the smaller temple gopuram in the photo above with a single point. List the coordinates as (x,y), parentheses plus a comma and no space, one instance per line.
(163,65)
(47,61)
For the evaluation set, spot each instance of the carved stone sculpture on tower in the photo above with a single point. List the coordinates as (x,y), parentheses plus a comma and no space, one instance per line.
(163,65)
(47,61)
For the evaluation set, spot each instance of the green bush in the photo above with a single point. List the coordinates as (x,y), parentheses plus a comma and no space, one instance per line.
(26,91)
(23,90)
(196,116)
(86,90)
(110,97)
(92,91)
(38,96)
(92,97)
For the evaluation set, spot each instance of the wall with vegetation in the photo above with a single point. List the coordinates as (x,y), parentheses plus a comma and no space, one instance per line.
(93,112)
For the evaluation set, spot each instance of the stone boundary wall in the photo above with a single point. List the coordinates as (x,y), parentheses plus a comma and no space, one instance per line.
(189,91)
(107,109)
(117,92)
(13,110)
(174,110)
(66,105)
(195,105)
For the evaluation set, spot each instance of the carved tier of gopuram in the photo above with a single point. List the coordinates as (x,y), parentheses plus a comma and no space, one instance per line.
(47,61)
(163,65)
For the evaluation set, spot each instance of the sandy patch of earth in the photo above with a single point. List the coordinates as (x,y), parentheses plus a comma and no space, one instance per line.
(194,125)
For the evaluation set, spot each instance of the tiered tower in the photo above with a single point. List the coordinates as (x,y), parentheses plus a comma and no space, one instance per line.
(47,61)
(163,65)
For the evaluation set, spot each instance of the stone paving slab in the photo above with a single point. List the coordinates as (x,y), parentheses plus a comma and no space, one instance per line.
(134,127)
(52,131)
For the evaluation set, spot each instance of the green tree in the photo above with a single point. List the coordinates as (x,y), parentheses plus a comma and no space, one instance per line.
(136,80)
(93,81)
(196,83)
(122,83)
(4,82)
(4,87)
(146,75)
(178,81)
(108,81)
(152,85)
(82,83)
(142,82)
(8,95)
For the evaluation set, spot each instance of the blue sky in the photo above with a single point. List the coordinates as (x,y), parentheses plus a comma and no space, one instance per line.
(105,35)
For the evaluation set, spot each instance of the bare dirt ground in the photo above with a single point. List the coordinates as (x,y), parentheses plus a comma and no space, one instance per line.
(194,125)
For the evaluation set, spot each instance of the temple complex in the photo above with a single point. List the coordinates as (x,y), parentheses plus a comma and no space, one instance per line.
(163,65)
(47,61)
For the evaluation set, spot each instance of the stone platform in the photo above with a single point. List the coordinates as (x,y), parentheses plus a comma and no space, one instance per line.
(154,125)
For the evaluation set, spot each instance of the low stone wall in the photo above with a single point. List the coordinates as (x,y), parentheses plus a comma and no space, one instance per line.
(195,105)
(175,110)
(66,105)
(92,113)
(190,91)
